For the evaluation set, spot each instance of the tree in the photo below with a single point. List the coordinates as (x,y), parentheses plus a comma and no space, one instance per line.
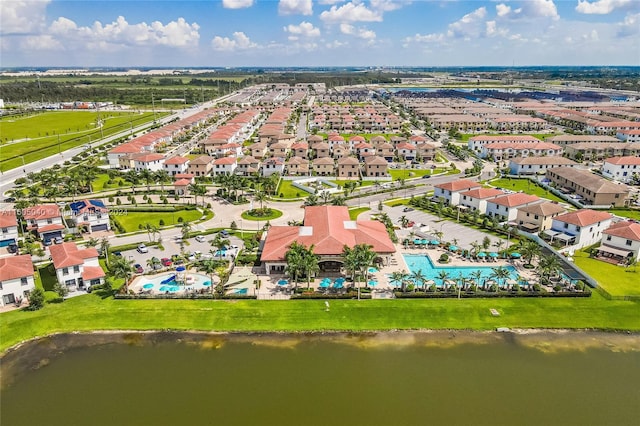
(399,277)
(61,289)
(218,243)
(309,264)
(486,243)
(294,257)
(404,221)
(36,299)
(549,266)
(530,250)
(261,197)
(325,196)
(209,267)
(500,274)
(477,277)
(418,278)
(162,177)
(311,200)
(132,177)
(444,276)
(148,177)
(104,250)
(185,230)
(197,190)
(364,258)
(121,268)
(92,242)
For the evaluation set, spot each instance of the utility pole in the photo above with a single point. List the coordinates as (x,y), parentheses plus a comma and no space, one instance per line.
(153,107)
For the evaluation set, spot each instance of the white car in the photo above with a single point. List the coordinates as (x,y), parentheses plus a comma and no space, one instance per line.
(143,248)
(200,238)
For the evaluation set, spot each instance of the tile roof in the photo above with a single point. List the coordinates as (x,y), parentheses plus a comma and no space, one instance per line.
(560,161)
(176,160)
(225,160)
(590,181)
(345,161)
(202,159)
(623,160)
(458,185)
(546,208)
(147,158)
(513,200)
(328,229)
(323,160)
(182,182)
(15,267)
(8,218)
(92,272)
(68,254)
(584,217)
(41,211)
(375,160)
(624,229)
(482,193)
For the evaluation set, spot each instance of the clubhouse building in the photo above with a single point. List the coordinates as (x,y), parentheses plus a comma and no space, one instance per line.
(328,229)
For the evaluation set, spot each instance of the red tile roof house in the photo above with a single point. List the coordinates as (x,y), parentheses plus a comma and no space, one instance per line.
(328,229)
(16,278)
(348,168)
(152,162)
(224,166)
(201,165)
(375,166)
(8,227)
(175,165)
(45,219)
(505,207)
(581,228)
(450,191)
(620,242)
(76,268)
(247,166)
(476,199)
(622,169)
(272,165)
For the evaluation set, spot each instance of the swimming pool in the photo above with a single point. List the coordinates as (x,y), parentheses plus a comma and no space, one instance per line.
(167,282)
(424,263)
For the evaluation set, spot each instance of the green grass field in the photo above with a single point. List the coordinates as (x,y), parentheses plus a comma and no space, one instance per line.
(413,173)
(91,312)
(34,137)
(287,190)
(525,185)
(631,214)
(354,213)
(616,280)
(100,183)
(132,220)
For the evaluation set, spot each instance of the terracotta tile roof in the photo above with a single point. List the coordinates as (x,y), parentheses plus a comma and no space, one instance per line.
(247,159)
(147,158)
(625,229)
(375,160)
(328,229)
(68,254)
(522,146)
(183,176)
(182,182)
(92,272)
(458,185)
(15,267)
(505,138)
(41,211)
(588,180)
(176,160)
(482,193)
(345,161)
(512,200)
(202,159)
(560,161)
(323,160)
(8,218)
(297,160)
(406,145)
(300,145)
(623,160)
(225,160)
(546,208)
(584,217)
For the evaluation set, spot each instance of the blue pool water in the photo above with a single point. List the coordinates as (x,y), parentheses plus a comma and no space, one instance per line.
(147,286)
(241,291)
(430,271)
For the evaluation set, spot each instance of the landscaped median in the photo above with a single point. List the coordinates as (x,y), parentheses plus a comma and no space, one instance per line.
(91,312)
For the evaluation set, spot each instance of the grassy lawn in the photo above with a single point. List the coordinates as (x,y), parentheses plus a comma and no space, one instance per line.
(287,190)
(100,183)
(131,220)
(353,213)
(631,214)
(413,173)
(525,185)
(616,280)
(361,183)
(90,312)
(274,215)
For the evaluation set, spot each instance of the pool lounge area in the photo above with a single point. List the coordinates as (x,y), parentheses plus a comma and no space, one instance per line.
(171,283)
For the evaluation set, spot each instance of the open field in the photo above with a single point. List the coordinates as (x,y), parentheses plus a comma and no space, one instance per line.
(525,185)
(287,190)
(91,312)
(412,173)
(616,280)
(133,219)
(631,214)
(31,138)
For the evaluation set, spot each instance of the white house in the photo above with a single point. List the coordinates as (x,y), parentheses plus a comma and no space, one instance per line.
(224,166)
(620,242)
(581,228)
(271,166)
(8,228)
(93,215)
(176,165)
(476,199)
(76,267)
(152,162)
(622,169)
(16,278)
(450,191)
(45,219)
(537,165)
(505,207)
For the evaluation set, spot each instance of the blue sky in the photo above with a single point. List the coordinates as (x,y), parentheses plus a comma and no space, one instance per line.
(232,33)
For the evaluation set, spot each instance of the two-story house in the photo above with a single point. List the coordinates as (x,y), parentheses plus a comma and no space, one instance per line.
(224,166)
(348,168)
(152,162)
(301,149)
(8,227)
(91,215)
(620,242)
(538,217)
(247,166)
(16,278)
(76,268)
(297,166)
(505,207)
(476,199)
(622,169)
(375,166)
(450,191)
(45,220)
(176,165)
(201,165)
(579,229)
(272,165)
(323,166)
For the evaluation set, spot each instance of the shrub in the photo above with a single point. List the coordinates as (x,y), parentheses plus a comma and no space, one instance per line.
(444,258)
(161,222)
(180,219)
(36,299)
(110,199)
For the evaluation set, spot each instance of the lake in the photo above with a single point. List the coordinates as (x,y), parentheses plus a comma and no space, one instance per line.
(404,378)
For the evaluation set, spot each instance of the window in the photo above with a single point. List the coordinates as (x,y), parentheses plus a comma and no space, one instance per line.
(566,225)
(608,237)
(628,242)
(5,230)
(76,268)
(24,281)
(49,221)
(65,271)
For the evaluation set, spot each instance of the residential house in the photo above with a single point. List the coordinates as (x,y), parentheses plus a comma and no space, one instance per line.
(45,219)
(248,166)
(76,268)
(151,162)
(505,207)
(348,168)
(621,169)
(278,150)
(323,166)
(537,165)
(375,166)
(426,151)
(224,166)
(407,151)
(363,150)
(297,166)
(301,149)
(201,165)
(476,199)
(258,150)
(321,150)
(598,151)
(538,217)
(8,227)
(386,151)
(581,228)
(91,215)
(16,279)
(620,242)
(450,191)
(588,187)
(340,151)
(505,150)
(176,165)
(272,165)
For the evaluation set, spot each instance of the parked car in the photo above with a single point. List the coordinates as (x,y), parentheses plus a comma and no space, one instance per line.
(47,242)
(224,233)
(138,268)
(166,261)
(12,248)
(155,263)
(408,209)
(143,248)
(200,238)
(117,254)
(426,176)
(59,240)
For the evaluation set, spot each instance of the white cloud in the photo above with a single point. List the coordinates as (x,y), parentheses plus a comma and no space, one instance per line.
(295,7)
(387,5)
(470,25)
(362,33)
(120,32)
(22,17)
(602,7)
(530,9)
(351,12)
(304,29)
(239,42)
(492,30)
(427,38)
(42,42)
(237,4)
(630,26)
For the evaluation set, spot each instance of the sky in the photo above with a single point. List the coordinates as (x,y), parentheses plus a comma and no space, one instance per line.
(276,33)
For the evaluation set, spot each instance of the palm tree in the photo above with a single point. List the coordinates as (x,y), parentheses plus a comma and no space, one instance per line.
(444,276)
(498,245)
(162,177)
(218,243)
(477,276)
(549,266)
(309,263)
(185,230)
(104,249)
(150,230)
(197,190)
(312,200)
(399,277)
(261,197)
(121,268)
(209,267)
(404,221)
(338,200)
(325,196)
(295,261)
(365,257)
(132,177)
(500,274)
(148,177)
(350,262)
(418,278)
(529,250)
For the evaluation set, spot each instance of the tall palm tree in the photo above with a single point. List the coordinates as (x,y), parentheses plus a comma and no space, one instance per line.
(209,267)
(499,244)
(403,221)
(325,196)
(148,177)
(444,276)
(261,197)
(549,266)
(530,250)
(500,274)
(399,277)
(365,257)
(477,276)
(133,178)
(185,230)
(309,263)
(350,262)
(198,190)
(418,278)
(218,243)
(162,177)
(311,200)
(121,268)
(104,249)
